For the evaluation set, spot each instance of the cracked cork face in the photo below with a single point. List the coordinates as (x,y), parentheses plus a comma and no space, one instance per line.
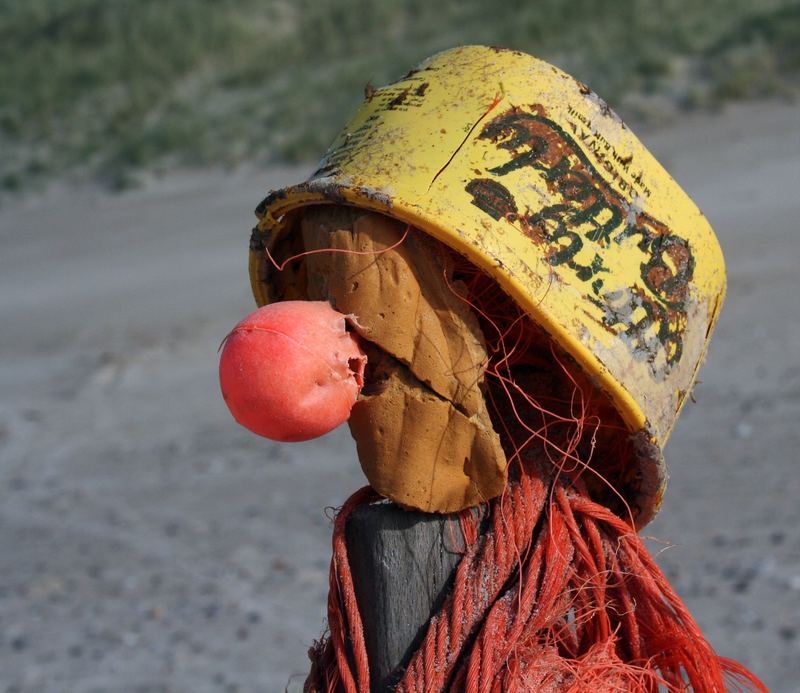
(424,434)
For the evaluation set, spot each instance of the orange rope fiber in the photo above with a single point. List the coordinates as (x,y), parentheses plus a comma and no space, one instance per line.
(580,605)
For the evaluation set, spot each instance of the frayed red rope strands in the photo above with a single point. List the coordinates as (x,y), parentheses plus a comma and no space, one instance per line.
(344,619)
(280,266)
(579,606)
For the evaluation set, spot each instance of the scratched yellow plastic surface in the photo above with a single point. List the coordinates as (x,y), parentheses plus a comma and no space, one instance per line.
(530,175)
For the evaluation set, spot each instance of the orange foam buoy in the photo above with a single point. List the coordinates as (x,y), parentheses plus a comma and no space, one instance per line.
(291,371)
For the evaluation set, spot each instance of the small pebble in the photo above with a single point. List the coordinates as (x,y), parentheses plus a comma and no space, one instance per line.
(777,538)
(17,484)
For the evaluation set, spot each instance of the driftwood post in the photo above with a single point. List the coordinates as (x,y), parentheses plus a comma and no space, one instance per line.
(402,564)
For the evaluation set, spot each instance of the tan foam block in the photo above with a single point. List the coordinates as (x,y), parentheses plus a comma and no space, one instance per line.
(400,298)
(421,452)
(424,435)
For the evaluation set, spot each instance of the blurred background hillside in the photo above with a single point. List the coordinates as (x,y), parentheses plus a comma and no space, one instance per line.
(148,544)
(117,88)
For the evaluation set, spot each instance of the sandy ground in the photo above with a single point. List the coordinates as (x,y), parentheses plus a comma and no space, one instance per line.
(148,544)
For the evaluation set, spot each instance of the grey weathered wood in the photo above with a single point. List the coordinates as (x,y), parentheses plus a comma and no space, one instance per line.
(402,564)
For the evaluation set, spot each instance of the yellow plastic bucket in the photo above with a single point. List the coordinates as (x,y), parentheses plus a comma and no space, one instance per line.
(531,176)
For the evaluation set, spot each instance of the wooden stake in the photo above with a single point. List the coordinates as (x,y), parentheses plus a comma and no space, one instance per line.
(402,564)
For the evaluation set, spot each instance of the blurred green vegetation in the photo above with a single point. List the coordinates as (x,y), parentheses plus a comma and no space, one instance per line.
(111,88)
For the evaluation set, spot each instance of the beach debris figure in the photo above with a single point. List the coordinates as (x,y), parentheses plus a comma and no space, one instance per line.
(517,298)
